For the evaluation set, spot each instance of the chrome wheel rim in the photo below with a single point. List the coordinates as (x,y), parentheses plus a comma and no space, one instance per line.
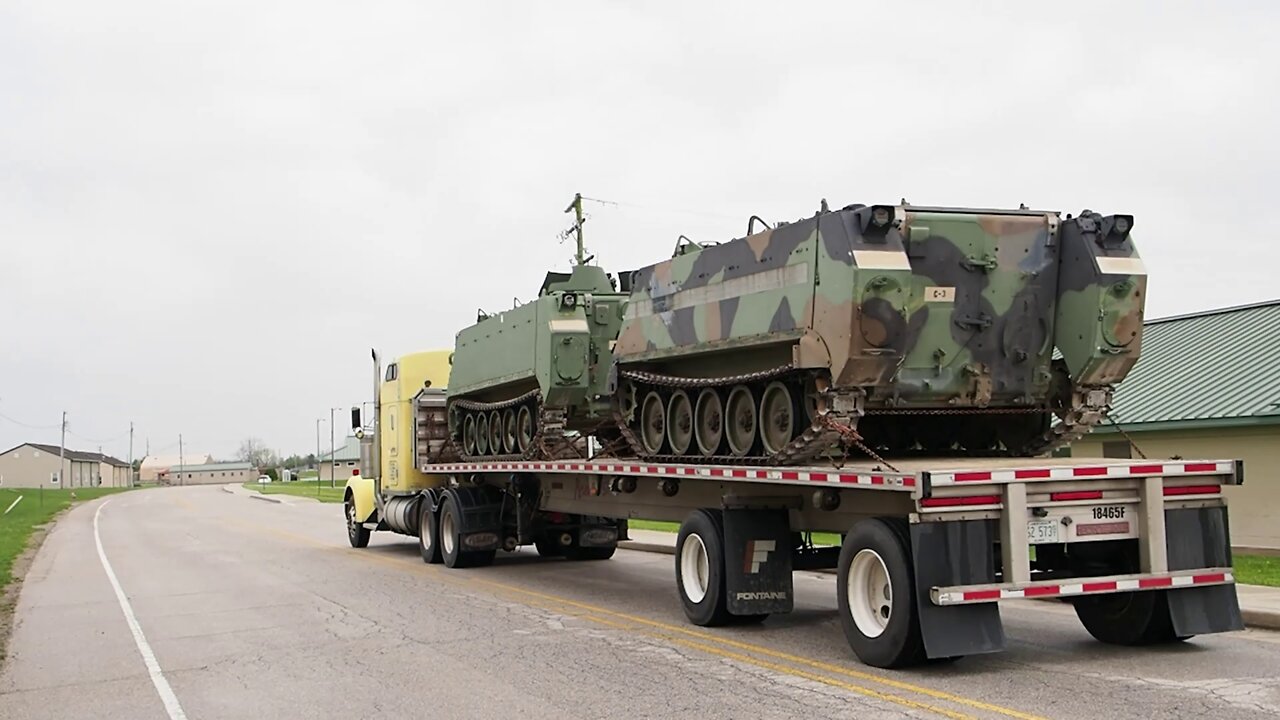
(446,532)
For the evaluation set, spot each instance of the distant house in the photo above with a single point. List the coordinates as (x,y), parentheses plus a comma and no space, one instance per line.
(153,466)
(1208,386)
(209,474)
(36,464)
(344,462)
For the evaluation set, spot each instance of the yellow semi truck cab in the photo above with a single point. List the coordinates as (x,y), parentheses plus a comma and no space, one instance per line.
(410,428)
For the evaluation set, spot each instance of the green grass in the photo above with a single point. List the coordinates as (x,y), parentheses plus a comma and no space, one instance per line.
(1257,570)
(302,488)
(17,526)
(819,538)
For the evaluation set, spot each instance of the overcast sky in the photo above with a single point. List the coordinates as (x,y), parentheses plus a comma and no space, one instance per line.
(209,212)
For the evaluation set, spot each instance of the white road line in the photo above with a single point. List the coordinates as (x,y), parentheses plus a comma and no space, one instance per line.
(14,505)
(170,700)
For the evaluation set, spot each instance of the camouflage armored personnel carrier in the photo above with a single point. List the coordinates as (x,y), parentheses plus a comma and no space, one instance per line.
(898,330)
(901,329)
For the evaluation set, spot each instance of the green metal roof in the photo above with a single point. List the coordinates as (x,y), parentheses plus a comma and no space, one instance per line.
(1218,367)
(212,467)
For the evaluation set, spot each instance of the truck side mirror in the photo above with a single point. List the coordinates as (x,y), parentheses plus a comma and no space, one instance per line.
(355,419)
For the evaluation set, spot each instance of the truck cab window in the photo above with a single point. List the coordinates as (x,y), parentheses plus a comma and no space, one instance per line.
(391,372)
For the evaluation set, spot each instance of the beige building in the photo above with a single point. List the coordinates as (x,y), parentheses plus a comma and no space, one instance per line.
(153,466)
(35,464)
(209,474)
(1208,387)
(343,463)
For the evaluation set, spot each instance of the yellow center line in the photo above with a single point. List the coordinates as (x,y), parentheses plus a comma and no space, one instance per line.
(673,633)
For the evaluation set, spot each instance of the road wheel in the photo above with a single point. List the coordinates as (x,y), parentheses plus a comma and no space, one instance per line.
(482,433)
(680,422)
(741,420)
(357,533)
(428,532)
(469,434)
(1131,618)
(876,595)
(700,568)
(524,429)
(495,432)
(777,417)
(708,422)
(653,428)
(575,552)
(509,442)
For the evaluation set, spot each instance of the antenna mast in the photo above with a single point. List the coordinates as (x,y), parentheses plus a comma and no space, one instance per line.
(576,207)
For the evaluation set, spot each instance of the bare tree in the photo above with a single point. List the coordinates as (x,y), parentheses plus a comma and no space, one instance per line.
(256,453)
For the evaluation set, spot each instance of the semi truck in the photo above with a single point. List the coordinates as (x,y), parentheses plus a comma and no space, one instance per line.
(930,547)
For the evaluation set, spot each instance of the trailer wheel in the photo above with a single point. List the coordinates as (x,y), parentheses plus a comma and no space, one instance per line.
(451,541)
(1131,618)
(575,552)
(700,568)
(428,532)
(547,547)
(357,533)
(876,594)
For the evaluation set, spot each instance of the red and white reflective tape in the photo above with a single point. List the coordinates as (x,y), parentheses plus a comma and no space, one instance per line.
(962,595)
(1085,472)
(714,472)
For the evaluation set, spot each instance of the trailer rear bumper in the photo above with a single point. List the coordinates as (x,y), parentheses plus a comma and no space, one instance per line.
(972,594)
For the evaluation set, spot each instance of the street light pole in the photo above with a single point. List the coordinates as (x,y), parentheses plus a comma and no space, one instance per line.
(332,451)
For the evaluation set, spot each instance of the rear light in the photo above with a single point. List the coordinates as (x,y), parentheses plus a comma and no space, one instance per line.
(961,501)
(355,472)
(1193,490)
(1076,495)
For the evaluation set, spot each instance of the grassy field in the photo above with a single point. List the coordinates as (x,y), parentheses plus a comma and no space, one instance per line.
(17,526)
(1257,570)
(301,488)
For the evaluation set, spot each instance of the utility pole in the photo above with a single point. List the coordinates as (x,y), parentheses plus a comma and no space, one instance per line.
(62,453)
(181,459)
(130,453)
(318,421)
(332,451)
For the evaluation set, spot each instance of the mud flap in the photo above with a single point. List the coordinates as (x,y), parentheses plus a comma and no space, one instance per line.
(757,559)
(480,516)
(956,553)
(1198,538)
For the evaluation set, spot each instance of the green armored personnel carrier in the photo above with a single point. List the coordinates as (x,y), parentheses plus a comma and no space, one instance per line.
(523,378)
(898,329)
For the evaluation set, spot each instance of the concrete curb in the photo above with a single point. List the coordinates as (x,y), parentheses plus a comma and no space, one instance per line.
(228,490)
(267,498)
(1256,619)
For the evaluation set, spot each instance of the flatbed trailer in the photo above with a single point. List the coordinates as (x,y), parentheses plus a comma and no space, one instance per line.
(930,547)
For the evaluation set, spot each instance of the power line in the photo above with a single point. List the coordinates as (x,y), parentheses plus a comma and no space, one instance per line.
(29,425)
(96,440)
(662,208)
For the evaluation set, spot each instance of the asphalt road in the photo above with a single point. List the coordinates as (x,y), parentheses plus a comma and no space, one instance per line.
(254,609)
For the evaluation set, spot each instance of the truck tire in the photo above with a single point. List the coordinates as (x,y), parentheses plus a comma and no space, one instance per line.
(451,552)
(428,532)
(357,533)
(875,589)
(700,569)
(548,547)
(1130,618)
(574,552)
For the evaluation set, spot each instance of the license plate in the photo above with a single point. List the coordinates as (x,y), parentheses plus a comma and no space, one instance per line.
(1040,532)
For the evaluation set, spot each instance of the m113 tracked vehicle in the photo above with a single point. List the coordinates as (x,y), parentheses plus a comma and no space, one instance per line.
(900,330)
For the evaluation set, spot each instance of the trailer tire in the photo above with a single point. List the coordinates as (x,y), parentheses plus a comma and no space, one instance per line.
(357,533)
(428,532)
(576,552)
(1131,618)
(451,551)
(875,590)
(700,569)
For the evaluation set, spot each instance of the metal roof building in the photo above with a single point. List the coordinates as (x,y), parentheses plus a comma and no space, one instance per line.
(1208,386)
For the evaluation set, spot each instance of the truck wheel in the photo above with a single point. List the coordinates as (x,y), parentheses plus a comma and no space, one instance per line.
(357,533)
(428,532)
(574,552)
(451,541)
(876,595)
(547,547)
(700,569)
(1131,618)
